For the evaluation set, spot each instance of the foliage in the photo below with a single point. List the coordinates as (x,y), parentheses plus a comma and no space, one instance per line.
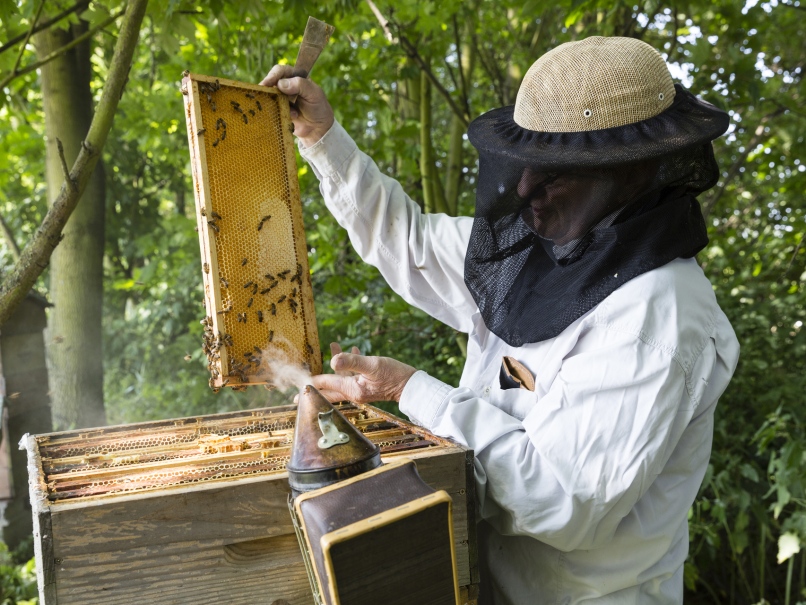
(744,56)
(17,580)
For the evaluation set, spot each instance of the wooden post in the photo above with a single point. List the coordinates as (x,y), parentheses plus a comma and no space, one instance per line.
(22,349)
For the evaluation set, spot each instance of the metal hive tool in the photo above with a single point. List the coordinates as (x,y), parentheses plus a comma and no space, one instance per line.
(257,289)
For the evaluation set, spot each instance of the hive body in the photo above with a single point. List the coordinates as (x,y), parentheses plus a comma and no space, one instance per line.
(195,510)
(257,289)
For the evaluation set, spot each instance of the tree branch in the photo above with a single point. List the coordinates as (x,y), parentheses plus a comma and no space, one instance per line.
(68,180)
(412,53)
(59,51)
(37,252)
(9,237)
(382,20)
(46,24)
(27,37)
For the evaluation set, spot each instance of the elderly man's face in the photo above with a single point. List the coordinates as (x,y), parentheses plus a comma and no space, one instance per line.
(564,206)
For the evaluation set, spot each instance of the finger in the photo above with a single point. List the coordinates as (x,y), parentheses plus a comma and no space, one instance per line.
(355,351)
(343,385)
(333,396)
(302,87)
(335,349)
(282,71)
(351,362)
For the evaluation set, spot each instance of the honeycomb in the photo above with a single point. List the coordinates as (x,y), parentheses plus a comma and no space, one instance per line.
(158,455)
(257,287)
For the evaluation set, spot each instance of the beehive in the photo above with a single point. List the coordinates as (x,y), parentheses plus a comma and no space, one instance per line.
(257,288)
(195,510)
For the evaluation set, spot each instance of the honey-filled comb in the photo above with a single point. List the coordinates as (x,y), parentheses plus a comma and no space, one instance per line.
(257,287)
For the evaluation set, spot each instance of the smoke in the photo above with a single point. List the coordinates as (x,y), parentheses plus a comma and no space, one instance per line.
(282,371)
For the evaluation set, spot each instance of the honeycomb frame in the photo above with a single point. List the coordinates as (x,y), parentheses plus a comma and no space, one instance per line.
(258,295)
(88,465)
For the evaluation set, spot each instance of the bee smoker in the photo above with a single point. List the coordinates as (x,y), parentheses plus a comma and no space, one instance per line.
(327,448)
(368,533)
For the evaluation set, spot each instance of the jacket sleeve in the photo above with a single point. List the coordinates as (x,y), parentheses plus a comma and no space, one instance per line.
(421,256)
(587,450)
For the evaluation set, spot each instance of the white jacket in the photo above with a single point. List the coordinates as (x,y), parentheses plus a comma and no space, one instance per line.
(584,485)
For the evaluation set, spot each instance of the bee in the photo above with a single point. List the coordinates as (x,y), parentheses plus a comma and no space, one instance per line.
(282,274)
(258,105)
(224,281)
(273,309)
(260,316)
(263,220)
(254,289)
(225,383)
(252,112)
(293,304)
(271,335)
(213,105)
(213,226)
(224,135)
(249,304)
(249,95)
(187,357)
(265,290)
(294,293)
(245,119)
(203,211)
(244,261)
(241,317)
(235,104)
(247,354)
(200,132)
(206,268)
(247,284)
(281,299)
(309,347)
(215,215)
(217,85)
(209,98)
(215,143)
(258,351)
(269,276)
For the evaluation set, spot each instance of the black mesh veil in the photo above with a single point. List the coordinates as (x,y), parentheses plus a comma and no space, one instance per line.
(560,225)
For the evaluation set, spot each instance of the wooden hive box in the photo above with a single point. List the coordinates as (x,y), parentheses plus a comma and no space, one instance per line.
(195,510)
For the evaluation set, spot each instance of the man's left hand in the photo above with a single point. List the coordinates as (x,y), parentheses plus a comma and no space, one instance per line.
(373,378)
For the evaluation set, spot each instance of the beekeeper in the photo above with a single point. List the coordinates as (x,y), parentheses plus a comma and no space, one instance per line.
(597,350)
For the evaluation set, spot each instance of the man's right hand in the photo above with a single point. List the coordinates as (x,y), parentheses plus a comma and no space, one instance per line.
(311,113)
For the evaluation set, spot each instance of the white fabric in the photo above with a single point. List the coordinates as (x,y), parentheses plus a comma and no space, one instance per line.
(584,484)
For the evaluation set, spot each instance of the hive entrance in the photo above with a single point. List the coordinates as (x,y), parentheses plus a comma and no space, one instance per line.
(257,289)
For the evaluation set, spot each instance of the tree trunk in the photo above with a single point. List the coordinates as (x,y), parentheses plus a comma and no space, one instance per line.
(453,176)
(74,338)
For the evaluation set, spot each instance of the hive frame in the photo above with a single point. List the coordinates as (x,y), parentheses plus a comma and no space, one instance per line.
(305,351)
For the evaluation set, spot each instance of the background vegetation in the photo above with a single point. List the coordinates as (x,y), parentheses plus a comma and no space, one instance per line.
(405,77)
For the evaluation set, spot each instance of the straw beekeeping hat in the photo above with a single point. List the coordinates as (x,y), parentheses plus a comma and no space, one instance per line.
(598,102)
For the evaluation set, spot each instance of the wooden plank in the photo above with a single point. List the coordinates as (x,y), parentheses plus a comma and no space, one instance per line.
(182,547)
(262,571)
(234,511)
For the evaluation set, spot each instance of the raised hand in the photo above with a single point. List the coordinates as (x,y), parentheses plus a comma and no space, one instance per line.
(311,113)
